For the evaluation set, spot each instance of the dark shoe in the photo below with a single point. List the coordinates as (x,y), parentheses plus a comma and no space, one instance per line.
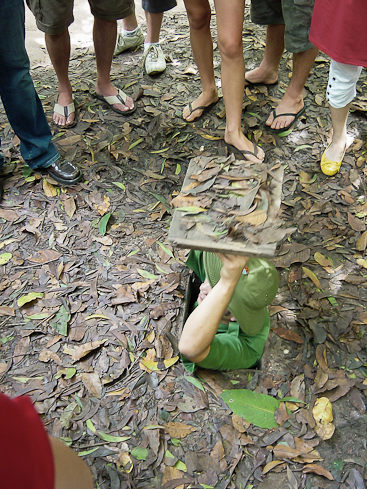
(64,172)
(296,116)
(250,84)
(1,190)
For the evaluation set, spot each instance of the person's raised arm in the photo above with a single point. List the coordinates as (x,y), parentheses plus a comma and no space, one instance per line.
(202,324)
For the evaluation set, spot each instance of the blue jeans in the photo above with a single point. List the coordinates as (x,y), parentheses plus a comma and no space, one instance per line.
(21,102)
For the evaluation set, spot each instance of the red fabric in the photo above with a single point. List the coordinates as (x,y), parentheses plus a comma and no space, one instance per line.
(26,460)
(339,29)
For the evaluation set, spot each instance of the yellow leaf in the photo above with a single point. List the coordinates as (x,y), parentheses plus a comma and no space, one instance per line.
(5,258)
(325,431)
(323,411)
(170,361)
(49,189)
(256,217)
(312,276)
(29,298)
(362,262)
(322,260)
(149,364)
(209,136)
(125,462)
(6,242)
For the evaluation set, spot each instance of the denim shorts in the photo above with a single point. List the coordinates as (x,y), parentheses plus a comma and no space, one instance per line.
(54,16)
(158,6)
(295,14)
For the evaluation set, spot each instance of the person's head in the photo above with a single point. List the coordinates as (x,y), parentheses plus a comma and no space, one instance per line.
(254,292)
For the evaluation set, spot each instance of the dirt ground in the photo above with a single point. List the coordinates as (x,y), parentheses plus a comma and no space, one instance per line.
(92,295)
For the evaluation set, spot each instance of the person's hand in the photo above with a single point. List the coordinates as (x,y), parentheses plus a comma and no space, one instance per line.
(233,266)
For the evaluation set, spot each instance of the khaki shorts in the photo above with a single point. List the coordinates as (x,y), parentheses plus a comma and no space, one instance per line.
(54,16)
(295,14)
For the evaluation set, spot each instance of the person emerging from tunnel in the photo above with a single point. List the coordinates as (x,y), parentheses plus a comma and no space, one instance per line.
(230,325)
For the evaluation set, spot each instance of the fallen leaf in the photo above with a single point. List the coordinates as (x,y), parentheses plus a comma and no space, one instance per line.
(69,206)
(49,189)
(179,430)
(322,260)
(45,256)
(322,411)
(288,334)
(7,311)
(24,299)
(312,276)
(317,469)
(321,356)
(355,223)
(82,350)
(93,383)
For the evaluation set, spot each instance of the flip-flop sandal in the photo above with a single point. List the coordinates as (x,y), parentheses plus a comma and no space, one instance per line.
(65,111)
(243,153)
(257,84)
(120,98)
(204,109)
(296,116)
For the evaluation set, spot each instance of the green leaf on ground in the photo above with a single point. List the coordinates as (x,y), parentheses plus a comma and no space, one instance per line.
(120,185)
(165,249)
(196,382)
(254,407)
(103,223)
(136,143)
(146,274)
(29,298)
(5,258)
(191,209)
(303,146)
(60,321)
(140,453)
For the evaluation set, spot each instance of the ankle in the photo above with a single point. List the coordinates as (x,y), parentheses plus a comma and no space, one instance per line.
(130,33)
(148,44)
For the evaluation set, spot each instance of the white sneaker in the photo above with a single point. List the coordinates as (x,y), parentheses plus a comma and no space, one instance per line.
(125,42)
(154,60)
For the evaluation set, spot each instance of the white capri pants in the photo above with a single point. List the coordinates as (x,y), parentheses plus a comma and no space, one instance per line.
(341,88)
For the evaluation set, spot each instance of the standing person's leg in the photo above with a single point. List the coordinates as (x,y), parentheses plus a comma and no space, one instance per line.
(340,92)
(53,18)
(267,72)
(154,60)
(130,36)
(297,19)
(106,14)
(230,17)
(58,48)
(269,13)
(199,14)
(292,101)
(22,104)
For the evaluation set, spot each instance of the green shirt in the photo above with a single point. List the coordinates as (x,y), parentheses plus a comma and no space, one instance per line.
(231,347)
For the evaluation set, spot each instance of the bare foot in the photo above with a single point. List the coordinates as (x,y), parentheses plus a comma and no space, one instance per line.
(260,75)
(64,99)
(336,150)
(110,90)
(287,105)
(204,100)
(241,143)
